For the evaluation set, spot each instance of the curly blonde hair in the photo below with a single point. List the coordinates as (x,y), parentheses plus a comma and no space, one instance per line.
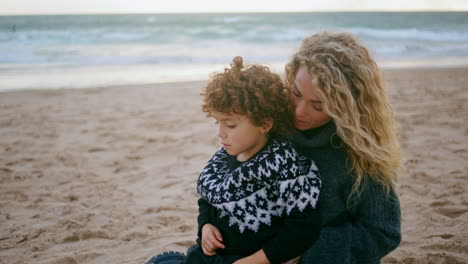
(351,87)
(254,92)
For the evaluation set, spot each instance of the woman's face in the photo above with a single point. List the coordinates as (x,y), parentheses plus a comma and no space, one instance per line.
(308,104)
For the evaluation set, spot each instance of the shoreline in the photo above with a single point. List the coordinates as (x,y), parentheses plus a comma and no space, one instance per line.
(202,81)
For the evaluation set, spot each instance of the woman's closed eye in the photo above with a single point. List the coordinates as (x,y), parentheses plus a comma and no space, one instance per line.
(317,106)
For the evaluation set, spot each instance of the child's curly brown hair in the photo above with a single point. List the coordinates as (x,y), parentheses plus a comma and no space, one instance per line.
(254,92)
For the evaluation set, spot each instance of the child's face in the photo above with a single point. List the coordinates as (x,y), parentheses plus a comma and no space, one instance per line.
(239,136)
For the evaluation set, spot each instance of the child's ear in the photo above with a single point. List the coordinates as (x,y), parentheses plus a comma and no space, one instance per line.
(267,125)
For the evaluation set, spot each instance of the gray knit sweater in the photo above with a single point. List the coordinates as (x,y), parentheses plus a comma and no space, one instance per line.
(362,233)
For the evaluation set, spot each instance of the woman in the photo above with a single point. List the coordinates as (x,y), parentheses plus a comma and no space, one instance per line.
(346,125)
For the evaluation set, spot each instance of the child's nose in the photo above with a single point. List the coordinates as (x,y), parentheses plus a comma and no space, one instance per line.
(220,133)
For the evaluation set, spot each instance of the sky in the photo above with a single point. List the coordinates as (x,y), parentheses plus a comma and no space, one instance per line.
(26,7)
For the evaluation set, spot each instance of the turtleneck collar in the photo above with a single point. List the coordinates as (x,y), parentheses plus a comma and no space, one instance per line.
(315,137)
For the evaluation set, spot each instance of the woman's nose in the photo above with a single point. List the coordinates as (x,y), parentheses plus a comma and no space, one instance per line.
(299,108)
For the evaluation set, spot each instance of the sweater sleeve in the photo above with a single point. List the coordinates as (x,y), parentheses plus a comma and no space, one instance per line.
(299,232)
(371,232)
(204,214)
(302,219)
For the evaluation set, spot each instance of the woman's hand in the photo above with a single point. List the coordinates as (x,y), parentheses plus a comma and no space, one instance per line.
(293,261)
(211,240)
(258,257)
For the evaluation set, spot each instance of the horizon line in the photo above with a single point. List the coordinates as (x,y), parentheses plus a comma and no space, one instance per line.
(241,12)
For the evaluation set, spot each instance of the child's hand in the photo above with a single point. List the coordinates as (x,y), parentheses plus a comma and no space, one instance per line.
(211,240)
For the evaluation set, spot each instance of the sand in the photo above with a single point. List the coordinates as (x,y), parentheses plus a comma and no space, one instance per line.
(107,175)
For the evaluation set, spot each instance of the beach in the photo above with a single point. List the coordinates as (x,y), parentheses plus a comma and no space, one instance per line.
(108,175)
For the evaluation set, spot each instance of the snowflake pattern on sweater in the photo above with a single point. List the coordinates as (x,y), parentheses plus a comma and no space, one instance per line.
(274,182)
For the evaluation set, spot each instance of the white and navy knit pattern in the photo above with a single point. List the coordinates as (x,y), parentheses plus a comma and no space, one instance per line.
(274,182)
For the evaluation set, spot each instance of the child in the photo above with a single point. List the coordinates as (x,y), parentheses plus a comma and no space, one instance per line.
(258,196)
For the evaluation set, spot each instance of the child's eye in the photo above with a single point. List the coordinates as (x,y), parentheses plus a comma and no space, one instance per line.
(231,126)
(295,93)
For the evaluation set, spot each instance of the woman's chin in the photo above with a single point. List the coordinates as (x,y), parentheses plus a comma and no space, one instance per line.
(301,126)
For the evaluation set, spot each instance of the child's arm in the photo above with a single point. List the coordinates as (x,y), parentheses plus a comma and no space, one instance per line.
(300,231)
(302,223)
(204,214)
(298,234)
(209,237)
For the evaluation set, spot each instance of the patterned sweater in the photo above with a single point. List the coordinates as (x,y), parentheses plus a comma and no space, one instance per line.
(267,202)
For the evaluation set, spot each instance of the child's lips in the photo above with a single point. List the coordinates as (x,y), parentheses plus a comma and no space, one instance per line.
(225,145)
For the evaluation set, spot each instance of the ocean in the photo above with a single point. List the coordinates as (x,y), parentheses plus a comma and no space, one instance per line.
(78,51)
